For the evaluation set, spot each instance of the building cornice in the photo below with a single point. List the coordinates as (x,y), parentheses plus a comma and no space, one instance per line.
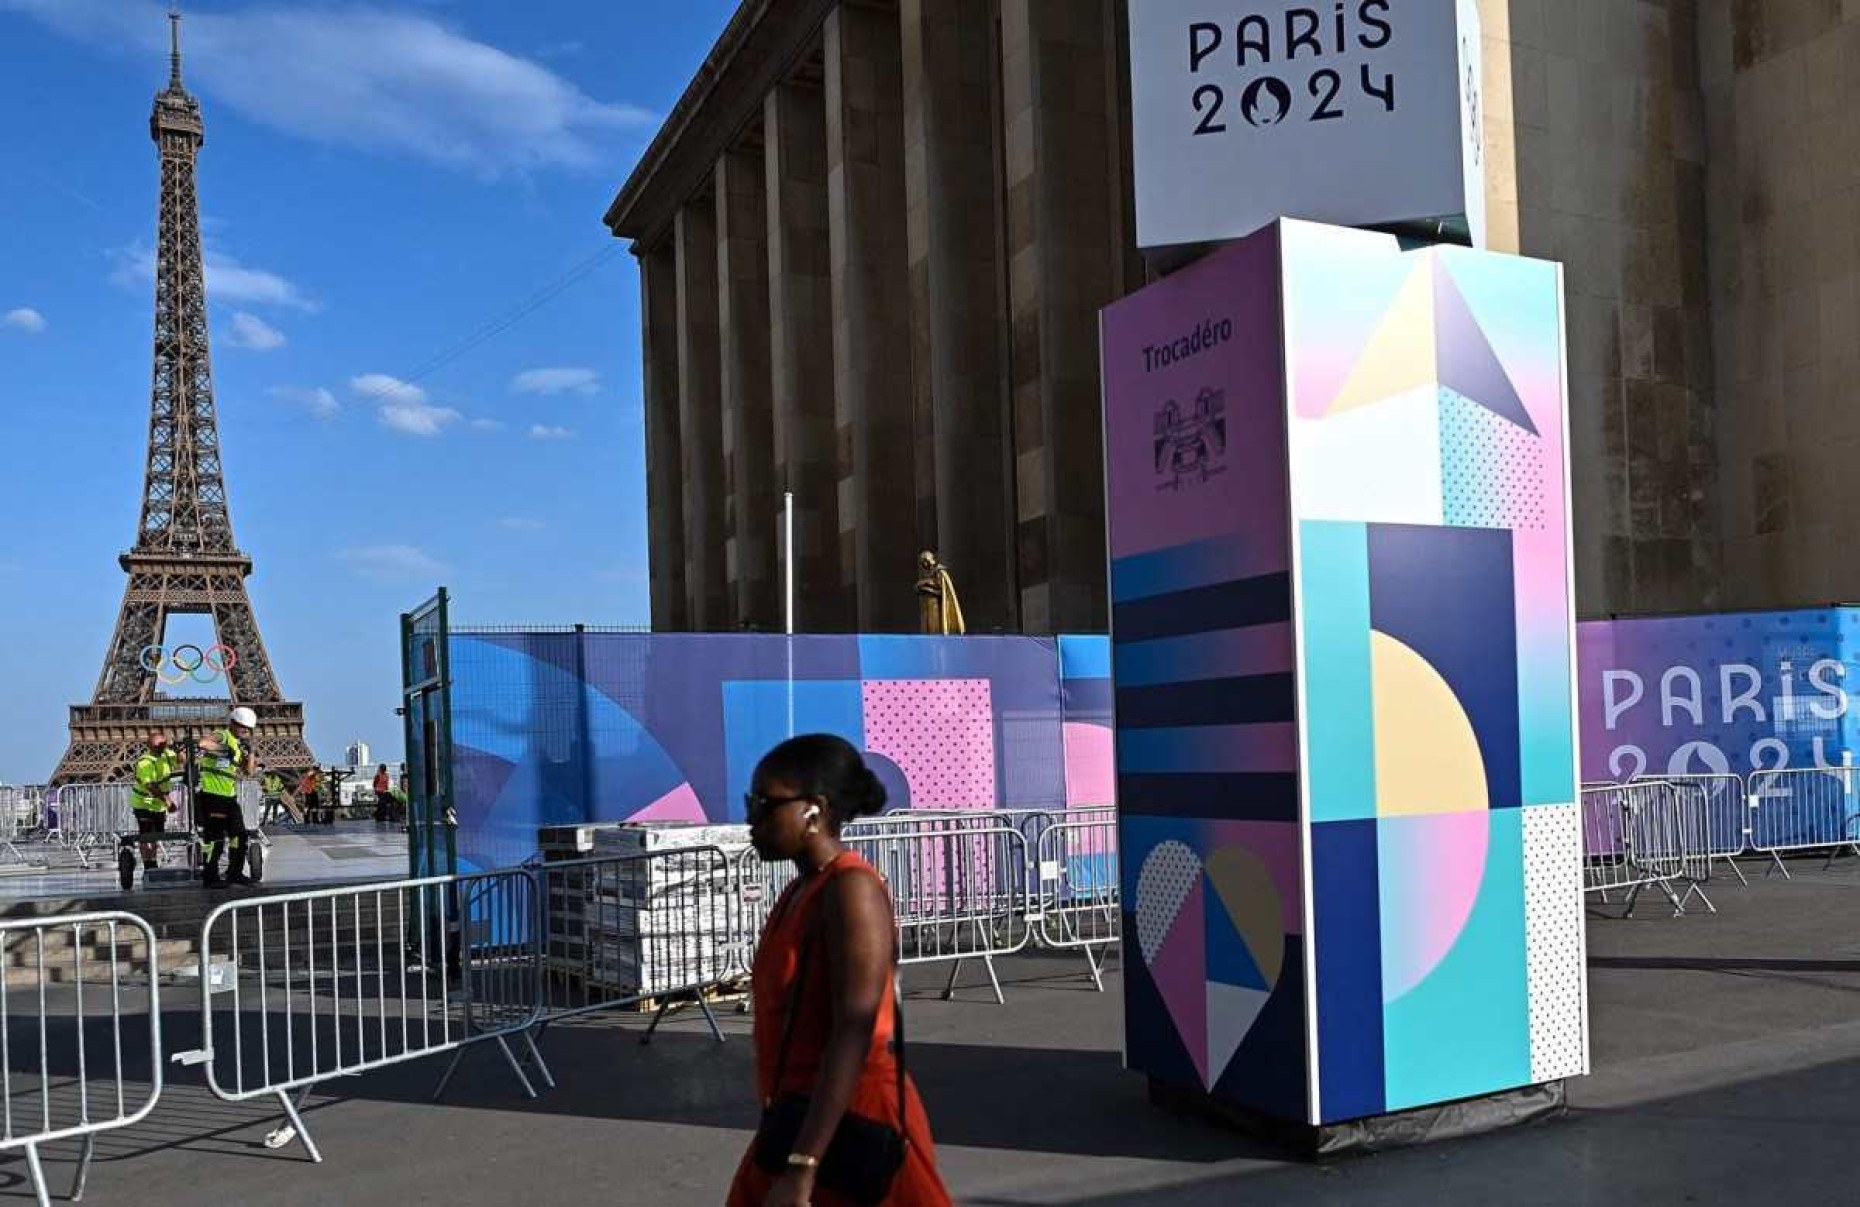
(762,45)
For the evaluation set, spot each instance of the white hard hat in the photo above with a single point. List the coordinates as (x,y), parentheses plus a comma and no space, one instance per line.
(245,717)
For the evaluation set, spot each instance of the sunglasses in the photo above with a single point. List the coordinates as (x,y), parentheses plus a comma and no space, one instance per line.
(757,805)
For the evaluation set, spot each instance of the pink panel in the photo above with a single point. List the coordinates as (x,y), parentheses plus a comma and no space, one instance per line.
(1431,870)
(940,733)
(1090,773)
(1180,973)
(680,804)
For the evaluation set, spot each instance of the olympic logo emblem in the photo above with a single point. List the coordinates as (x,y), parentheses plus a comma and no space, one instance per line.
(189,662)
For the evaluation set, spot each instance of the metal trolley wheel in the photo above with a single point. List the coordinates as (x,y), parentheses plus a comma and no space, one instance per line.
(254,858)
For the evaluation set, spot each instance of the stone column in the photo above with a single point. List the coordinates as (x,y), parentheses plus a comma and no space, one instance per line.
(871,323)
(960,388)
(800,310)
(658,308)
(753,508)
(700,420)
(1063,234)
(1782,210)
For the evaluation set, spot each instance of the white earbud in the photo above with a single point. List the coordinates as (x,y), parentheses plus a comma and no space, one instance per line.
(813,811)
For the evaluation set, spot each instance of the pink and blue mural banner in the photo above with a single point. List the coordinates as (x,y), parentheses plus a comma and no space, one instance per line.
(1733,693)
(1343,658)
(564,727)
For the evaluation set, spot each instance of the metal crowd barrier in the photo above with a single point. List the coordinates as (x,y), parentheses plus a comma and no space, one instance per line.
(760,886)
(656,926)
(1806,809)
(1642,834)
(22,819)
(1724,805)
(75,1063)
(92,817)
(1079,904)
(334,982)
(959,889)
(976,884)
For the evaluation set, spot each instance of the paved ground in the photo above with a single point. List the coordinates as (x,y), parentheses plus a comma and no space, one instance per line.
(1727,1052)
(347,851)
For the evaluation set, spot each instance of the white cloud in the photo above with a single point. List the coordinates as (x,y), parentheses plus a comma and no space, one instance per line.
(250,331)
(393,563)
(25,318)
(556,381)
(228,280)
(352,75)
(487,425)
(418,418)
(520,524)
(405,407)
(319,402)
(387,388)
(544,431)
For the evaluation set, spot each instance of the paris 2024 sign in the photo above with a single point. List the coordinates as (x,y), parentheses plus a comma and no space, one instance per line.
(1352,112)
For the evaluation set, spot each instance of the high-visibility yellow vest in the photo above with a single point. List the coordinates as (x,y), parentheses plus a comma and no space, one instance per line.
(219,770)
(152,774)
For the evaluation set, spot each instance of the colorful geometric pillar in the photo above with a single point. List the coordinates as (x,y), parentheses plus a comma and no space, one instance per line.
(1343,656)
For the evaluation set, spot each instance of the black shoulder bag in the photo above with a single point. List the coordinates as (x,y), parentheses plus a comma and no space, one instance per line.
(864,1155)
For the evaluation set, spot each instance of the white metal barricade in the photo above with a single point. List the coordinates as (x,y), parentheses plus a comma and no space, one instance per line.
(963,886)
(21,819)
(656,926)
(1806,809)
(1723,802)
(959,889)
(330,983)
(759,886)
(82,1060)
(90,817)
(1079,899)
(1636,835)
(1679,829)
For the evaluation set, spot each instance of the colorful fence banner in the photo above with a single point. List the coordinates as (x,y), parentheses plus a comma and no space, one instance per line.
(566,726)
(1732,693)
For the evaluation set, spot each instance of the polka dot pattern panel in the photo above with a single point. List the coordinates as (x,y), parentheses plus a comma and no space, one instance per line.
(940,733)
(1169,875)
(1492,469)
(1553,943)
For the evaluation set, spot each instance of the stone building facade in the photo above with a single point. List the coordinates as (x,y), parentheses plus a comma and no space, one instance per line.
(873,237)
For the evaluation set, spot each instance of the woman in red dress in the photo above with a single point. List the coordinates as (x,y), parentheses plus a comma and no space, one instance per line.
(836,920)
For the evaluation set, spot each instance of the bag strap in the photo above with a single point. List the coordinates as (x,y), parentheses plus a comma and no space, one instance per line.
(794,1011)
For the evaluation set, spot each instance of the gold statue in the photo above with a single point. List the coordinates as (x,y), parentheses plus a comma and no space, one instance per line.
(937,604)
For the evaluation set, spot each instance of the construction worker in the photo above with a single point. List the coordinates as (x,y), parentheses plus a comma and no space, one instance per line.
(224,757)
(273,798)
(155,772)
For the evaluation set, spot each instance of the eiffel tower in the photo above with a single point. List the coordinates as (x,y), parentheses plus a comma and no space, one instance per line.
(184,560)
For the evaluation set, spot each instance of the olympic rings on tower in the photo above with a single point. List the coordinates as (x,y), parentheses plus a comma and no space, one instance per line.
(188,661)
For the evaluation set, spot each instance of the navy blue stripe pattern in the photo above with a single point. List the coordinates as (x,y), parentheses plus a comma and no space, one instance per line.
(1233,605)
(1245,700)
(1226,796)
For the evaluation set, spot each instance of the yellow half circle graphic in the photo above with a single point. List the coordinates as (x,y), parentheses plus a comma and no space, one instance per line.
(1427,755)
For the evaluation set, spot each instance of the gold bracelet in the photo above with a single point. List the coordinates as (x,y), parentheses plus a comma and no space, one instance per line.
(802,1161)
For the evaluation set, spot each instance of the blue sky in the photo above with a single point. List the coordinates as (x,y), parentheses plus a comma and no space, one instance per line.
(381,184)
